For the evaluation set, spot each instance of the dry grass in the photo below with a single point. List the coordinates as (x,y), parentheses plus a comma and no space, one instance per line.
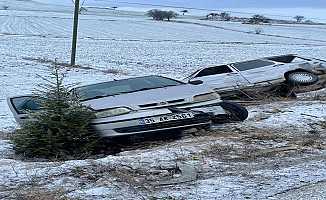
(55,63)
(314,139)
(253,154)
(138,180)
(113,71)
(250,144)
(40,194)
(323,125)
(5,136)
(67,65)
(245,152)
(264,135)
(219,151)
(98,171)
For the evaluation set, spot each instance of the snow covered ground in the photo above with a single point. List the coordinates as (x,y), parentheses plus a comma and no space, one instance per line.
(232,162)
(262,158)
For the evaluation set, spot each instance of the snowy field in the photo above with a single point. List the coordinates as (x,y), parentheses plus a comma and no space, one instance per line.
(134,45)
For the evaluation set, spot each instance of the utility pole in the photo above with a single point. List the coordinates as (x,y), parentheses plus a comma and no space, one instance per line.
(74,34)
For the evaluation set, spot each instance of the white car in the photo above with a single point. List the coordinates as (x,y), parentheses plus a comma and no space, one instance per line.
(289,69)
(145,104)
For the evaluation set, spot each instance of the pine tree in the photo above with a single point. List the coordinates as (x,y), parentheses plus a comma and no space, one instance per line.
(61,129)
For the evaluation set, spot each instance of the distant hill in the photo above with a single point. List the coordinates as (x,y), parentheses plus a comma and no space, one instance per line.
(283,10)
(32,5)
(213,4)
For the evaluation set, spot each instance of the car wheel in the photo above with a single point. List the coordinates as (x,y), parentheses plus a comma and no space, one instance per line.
(235,112)
(303,78)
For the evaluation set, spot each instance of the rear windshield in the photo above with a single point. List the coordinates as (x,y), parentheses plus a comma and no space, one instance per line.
(283,59)
(252,64)
(124,86)
(22,105)
(214,70)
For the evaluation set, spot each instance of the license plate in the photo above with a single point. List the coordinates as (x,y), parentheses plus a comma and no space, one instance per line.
(166,118)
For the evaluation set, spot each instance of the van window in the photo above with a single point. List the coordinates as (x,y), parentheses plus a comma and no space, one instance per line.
(24,104)
(252,64)
(283,59)
(214,70)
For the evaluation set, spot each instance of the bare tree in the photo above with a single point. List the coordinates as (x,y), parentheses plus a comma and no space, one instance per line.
(161,15)
(225,16)
(170,14)
(155,14)
(82,10)
(258,19)
(212,15)
(299,18)
(184,12)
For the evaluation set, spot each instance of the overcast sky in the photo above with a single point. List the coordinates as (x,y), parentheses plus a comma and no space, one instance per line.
(213,4)
(234,3)
(311,9)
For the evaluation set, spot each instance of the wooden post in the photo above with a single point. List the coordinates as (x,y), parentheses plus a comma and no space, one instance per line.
(74,34)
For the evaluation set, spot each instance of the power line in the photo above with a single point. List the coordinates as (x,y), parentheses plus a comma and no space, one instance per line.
(199,9)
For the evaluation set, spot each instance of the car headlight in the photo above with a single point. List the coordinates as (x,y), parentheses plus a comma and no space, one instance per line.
(206,97)
(112,112)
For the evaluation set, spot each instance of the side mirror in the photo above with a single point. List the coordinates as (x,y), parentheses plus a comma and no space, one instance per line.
(196,82)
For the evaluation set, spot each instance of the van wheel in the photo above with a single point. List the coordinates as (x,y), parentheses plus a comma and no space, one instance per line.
(235,112)
(302,78)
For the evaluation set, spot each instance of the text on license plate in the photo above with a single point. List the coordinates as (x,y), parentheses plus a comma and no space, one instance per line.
(166,118)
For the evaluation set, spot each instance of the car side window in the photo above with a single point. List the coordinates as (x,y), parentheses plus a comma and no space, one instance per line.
(282,59)
(214,70)
(252,64)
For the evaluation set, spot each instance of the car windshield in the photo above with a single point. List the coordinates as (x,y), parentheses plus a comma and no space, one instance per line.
(124,86)
(25,104)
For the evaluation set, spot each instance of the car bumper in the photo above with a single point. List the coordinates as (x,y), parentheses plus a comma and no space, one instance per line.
(130,124)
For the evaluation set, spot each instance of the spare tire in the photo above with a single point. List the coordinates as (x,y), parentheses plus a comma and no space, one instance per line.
(303,78)
(235,112)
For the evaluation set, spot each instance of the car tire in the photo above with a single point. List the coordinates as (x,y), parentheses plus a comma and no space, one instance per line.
(235,112)
(301,78)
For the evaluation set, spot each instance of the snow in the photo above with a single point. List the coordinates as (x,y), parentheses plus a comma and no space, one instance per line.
(138,46)
(6,149)
(297,115)
(109,177)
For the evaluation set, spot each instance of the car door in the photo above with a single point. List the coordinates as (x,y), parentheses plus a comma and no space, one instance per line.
(260,71)
(220,78)
(20,106)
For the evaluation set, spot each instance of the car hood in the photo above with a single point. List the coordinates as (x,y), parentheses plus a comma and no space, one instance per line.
(160,95)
